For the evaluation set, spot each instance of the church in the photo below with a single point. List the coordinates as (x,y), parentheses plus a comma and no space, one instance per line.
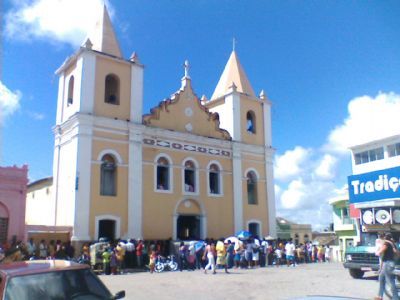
(190,169)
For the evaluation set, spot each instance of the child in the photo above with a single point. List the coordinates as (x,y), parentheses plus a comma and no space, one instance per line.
(113,262)
(152,261)
(278,254)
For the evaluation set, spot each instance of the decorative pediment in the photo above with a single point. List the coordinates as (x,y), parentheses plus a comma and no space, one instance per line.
(184,112)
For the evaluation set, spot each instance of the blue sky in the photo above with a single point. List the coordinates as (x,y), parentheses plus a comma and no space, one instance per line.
(329,68)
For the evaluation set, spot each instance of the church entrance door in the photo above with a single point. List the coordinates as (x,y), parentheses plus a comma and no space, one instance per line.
(107,229)
(188,227)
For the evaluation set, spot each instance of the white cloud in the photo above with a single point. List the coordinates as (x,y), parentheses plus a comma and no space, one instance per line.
(290,164)
(326,168)
(300,194)
(36,116)
(307,178)
(9,101)
(59,21)
(369,118)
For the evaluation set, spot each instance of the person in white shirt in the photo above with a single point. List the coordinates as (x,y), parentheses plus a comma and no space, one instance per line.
(289,249)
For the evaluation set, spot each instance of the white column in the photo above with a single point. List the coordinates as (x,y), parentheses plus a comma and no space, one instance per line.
(135,193)
(85,82)
(237,188)
(269,168)
(60,99)
(175,226)
(232,102)
(83,182)
(267,123)
(56,170)
(136,93)
(203,226)
(269,176)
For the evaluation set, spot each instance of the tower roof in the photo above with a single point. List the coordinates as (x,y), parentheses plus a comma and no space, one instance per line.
(103,35)
(233,73)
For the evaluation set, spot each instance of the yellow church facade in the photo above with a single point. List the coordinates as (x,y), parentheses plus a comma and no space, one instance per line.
(190,169)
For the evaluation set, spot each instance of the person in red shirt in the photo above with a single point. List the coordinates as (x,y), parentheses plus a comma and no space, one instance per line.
(139,253)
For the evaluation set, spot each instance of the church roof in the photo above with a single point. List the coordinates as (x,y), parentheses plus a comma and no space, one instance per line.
(233,73)
(103,36)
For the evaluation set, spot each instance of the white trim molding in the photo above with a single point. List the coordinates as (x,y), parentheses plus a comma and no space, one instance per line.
(112,152)
(237,188)
(97,219)
(202,216)
(252,170)
(135,184)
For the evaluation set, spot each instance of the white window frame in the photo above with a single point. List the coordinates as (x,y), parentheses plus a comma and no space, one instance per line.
(196,174)
(257,181)
(112,152)
(220,179)
(117,220)
(170,174)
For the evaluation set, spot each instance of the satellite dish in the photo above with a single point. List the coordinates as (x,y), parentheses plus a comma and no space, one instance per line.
(367,217)
(396,215)
(382,216)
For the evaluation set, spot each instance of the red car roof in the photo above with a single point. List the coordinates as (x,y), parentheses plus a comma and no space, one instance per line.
(39,266)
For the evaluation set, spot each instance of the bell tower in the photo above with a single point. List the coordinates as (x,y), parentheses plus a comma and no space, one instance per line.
(248,120)
(100,98)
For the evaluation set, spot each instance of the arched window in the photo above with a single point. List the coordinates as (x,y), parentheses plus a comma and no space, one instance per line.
(214,179)
(70,97)
(108,177)
(251,188)
(251,122)
(163,181)
(111,94)
(190,177)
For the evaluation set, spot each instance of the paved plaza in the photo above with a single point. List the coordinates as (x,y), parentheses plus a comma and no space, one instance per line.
(263,283)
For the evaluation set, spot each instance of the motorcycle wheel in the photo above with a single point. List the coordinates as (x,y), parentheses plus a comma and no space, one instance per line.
(173,266)
(159,267)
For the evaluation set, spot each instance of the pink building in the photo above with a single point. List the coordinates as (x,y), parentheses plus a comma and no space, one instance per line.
(13,188)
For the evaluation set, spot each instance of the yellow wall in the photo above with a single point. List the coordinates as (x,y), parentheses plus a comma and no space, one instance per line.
(257,211)
(247,104)
(159,207)
(105,66)
(109,205)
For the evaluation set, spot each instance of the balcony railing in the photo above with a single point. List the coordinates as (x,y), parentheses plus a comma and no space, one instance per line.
(347,220)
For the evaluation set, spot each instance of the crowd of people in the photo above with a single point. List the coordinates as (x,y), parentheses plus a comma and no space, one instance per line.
(115,257)
(248,253)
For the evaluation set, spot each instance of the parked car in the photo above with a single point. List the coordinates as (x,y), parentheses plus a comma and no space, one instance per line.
(52,280)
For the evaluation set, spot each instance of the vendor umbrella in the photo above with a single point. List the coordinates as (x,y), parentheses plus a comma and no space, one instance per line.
(243,234)
(233,240)
(198,246)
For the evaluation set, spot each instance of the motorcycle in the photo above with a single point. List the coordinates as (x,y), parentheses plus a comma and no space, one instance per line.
(166,264)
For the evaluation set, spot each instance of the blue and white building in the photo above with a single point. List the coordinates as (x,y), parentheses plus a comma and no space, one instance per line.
(374,187)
